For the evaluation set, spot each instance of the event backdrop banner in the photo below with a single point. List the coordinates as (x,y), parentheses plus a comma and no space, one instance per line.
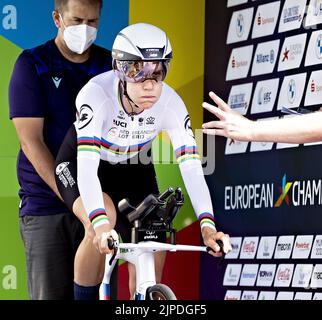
(264,59)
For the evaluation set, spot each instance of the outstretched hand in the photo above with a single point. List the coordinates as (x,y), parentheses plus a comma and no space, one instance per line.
(231,124)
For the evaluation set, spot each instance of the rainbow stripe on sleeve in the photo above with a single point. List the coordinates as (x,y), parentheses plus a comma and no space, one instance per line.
(89,144)
(98,217)
(185,153)
(206,219)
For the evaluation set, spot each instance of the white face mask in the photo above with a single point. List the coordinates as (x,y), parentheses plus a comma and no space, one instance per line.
(80,37)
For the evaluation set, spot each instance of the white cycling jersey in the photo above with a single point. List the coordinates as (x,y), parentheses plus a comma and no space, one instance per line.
(106,132)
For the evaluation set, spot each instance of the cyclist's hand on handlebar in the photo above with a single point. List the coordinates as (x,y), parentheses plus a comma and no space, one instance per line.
(100,240)
(210,238)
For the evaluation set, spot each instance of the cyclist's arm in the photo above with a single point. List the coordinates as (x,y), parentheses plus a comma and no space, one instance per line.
(90,102)
(177,125)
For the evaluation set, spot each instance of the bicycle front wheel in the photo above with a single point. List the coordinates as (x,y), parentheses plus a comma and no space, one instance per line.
(160,292)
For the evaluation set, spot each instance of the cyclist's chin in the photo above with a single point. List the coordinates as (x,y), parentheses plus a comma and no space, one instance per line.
(147,104)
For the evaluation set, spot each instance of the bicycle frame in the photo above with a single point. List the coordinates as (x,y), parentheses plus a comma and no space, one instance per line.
(142,256)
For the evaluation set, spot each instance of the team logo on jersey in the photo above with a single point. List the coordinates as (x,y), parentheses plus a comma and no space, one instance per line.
(187,126)
(61,167)
(85,116)
(150,120)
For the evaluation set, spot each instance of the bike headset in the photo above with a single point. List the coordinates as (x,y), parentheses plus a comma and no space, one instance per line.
(140,52)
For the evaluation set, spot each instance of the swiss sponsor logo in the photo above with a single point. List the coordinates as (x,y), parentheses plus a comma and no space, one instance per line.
(232,3)
(292,15)
(314,50)
(249,275)
(239,63)
(302,247)
(284,247)
(239,97)
(292,90)
(316,252)
(316,279)
(266,247)
(232,295)
(302,275)
(285,295)
(313,94)
(314,13)
(265,57)
(266,275)
(240,25)
(249,248)
(249,295)
(266,19)
(292,52)
(265,96)
(232,274)
(235,244)
(267,295)
(283,275)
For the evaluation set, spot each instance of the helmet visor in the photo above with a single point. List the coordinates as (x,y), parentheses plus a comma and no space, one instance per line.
(139,71)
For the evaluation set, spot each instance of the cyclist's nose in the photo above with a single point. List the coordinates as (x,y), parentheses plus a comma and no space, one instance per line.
(149,84)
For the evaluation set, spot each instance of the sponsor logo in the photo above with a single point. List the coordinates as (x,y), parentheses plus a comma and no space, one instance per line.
(265,57)
(265,96)
(85,116)
(314,13)
(316,280)
(119,123)
(239,63)
(317,248)
(187,126)
(235,244)
(232,274)
(284,247)
(266,247)
(266,19)
(302,247)
(314,89)
(239,97)
(292,15)
(121,115)
(150,120)
(292,53)
(302,275)
(249,295)
(240,25)
(267,295)
(232,295)
(249,248)
(64,175)
(113,132)
(266,275)
(292,90)
(57,81)
(314,50)
(249,274)
(283,275)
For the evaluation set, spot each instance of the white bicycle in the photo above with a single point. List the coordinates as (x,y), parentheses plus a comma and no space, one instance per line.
(152,220)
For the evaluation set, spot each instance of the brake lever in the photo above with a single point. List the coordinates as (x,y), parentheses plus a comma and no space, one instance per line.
(112,244)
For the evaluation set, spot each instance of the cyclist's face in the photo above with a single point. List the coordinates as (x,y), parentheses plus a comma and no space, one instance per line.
(145,94)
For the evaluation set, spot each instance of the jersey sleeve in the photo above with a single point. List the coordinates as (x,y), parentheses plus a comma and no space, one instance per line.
(177,124)
(90,119)
(25,90)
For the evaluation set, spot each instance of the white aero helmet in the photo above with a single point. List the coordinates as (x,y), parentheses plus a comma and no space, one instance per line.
(141,51)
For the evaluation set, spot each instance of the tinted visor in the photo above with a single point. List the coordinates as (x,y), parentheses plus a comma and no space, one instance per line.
(138,71)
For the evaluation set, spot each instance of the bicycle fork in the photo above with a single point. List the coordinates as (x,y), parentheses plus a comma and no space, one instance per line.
(145,271)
